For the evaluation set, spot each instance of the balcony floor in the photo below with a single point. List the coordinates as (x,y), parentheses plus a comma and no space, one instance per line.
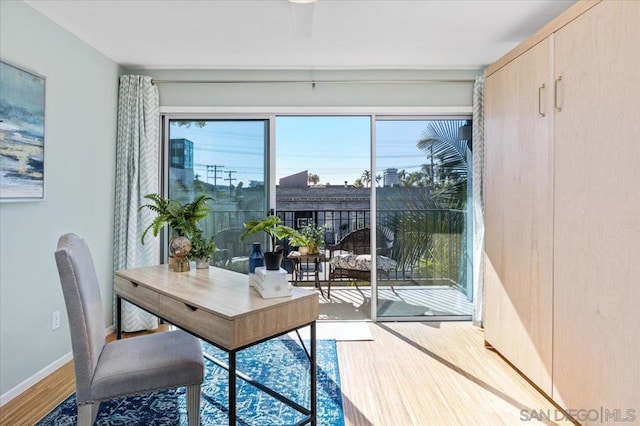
(354,303)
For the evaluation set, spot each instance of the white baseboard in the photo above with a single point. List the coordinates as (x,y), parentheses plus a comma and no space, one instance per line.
(12,393)
(49,369)
(109,330)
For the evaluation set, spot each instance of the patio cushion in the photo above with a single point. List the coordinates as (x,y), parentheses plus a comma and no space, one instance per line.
(361,262)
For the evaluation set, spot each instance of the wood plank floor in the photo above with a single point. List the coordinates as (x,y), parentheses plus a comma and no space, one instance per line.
(410,374)
(432,374)
(34,403)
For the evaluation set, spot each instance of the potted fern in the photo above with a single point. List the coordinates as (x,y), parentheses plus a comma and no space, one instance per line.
(182,220)
(273,227)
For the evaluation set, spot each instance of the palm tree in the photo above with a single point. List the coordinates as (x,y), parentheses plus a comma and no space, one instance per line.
(416,179)
(448,153)
(188,123)
(402,175)
(366,178)
(430,212)
(313,178)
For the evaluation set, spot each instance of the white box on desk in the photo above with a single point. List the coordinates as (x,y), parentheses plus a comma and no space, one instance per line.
(270,283)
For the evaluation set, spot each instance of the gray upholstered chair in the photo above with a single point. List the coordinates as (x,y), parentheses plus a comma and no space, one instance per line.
(129,366)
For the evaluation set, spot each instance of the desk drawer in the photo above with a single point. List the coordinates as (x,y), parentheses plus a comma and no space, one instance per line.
(137,294)
(205,324)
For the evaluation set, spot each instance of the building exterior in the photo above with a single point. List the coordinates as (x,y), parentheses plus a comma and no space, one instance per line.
(181,161)
(390,177)
(298,180)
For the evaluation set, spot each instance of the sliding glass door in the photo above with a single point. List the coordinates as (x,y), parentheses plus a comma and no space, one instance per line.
(395,225)
(423,192)
(225,159)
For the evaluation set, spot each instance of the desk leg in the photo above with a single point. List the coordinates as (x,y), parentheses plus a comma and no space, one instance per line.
(232,388)
(118,317)
(317,275)
(314,408)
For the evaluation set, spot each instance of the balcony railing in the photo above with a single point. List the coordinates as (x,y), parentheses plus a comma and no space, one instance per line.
(428,245)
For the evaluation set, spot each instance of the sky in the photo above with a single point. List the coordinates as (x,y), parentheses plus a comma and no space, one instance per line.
(234,147)
(334,148)
(337,148)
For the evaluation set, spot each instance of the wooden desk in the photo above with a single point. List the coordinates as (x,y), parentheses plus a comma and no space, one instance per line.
(219,307)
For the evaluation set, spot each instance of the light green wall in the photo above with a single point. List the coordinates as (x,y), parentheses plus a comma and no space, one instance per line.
(81,106)
(434,93)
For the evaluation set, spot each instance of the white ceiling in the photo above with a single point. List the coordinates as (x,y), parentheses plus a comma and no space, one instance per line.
(344,34)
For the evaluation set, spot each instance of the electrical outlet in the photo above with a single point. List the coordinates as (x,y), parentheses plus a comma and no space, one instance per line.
(55,320)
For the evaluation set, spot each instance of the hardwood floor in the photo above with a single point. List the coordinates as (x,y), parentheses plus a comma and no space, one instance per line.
(410,374)
(433,374)
(33,404)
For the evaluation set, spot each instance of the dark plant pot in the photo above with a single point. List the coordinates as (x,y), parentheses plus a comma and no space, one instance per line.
(272,260)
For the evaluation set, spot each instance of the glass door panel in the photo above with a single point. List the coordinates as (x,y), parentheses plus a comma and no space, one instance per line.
(422,210)
(320,165)
(224,159)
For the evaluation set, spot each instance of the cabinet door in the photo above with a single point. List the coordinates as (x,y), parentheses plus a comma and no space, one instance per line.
(597,204)
(519,214)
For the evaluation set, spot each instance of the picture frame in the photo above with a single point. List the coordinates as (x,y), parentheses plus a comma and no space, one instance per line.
(22,134)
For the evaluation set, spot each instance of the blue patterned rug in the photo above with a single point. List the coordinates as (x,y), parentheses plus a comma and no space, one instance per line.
(280,364)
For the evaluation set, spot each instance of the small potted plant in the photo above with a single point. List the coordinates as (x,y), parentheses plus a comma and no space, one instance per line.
(314,237)
(201,249)
(301,242)
(272,226)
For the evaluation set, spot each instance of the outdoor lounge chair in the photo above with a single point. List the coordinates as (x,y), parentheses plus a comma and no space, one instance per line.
(351,256)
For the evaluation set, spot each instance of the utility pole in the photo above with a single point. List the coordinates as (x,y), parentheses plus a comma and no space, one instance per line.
(213,168)
(230,179)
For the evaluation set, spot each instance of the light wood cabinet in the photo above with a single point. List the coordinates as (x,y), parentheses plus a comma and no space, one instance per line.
(519,213)
(596,341)
(562,230)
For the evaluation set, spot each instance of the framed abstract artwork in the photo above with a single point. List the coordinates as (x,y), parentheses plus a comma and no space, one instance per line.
(22,111)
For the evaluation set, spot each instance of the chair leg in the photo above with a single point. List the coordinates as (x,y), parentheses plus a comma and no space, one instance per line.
(193,404)
(87,414)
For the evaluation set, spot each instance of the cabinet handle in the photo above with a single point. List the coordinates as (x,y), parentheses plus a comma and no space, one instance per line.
(542,114)
(555,93)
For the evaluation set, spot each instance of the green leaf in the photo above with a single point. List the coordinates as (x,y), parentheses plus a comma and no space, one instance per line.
(182,219)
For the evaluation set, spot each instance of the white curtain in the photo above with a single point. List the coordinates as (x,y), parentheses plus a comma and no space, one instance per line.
(478,200)
(137,174)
